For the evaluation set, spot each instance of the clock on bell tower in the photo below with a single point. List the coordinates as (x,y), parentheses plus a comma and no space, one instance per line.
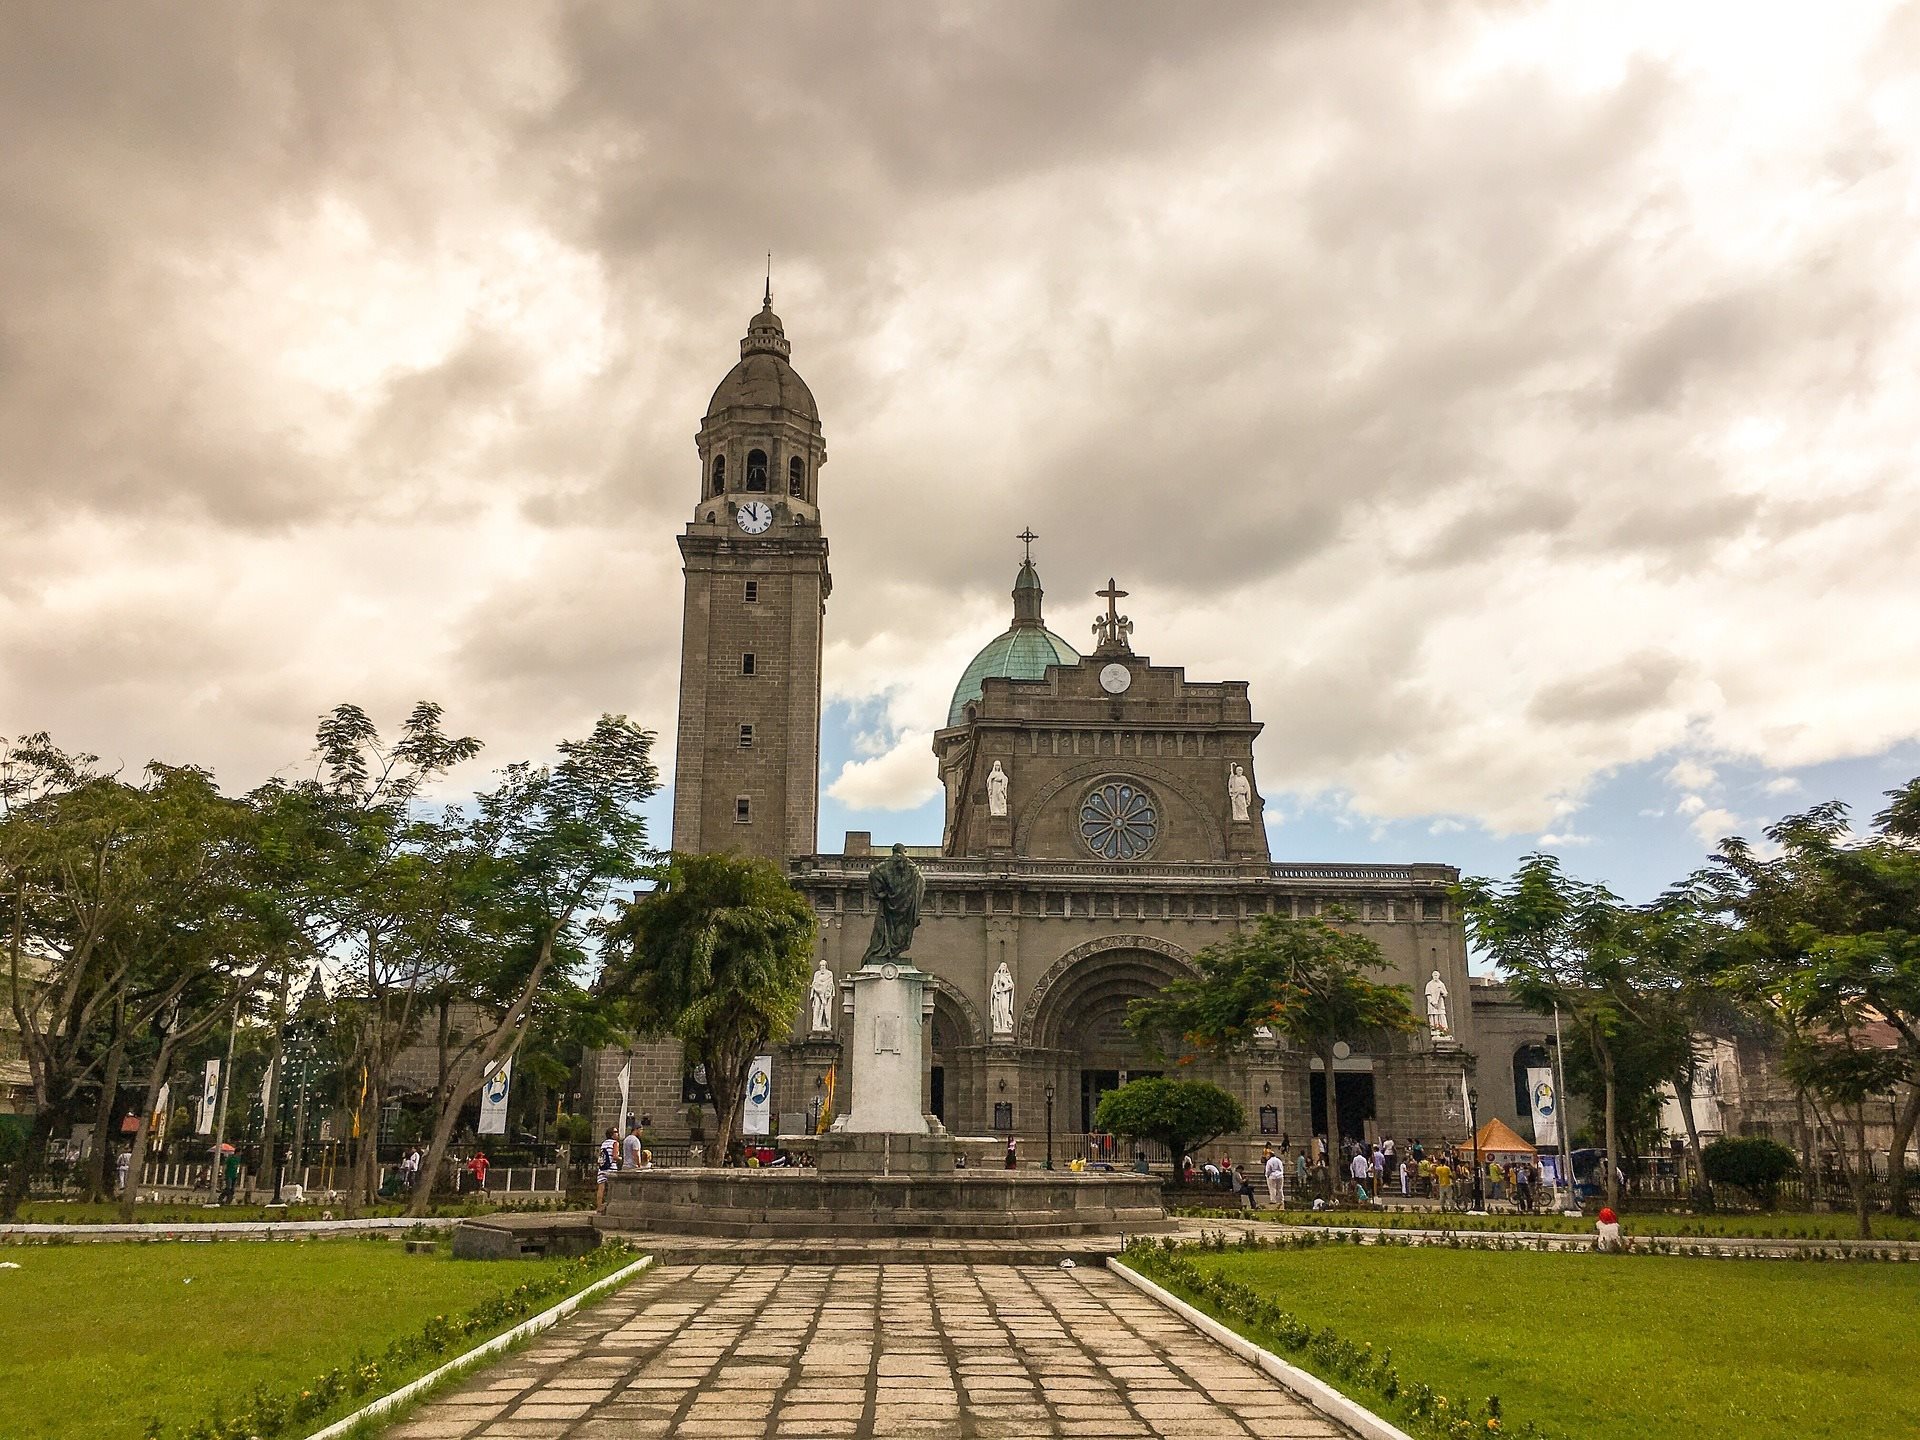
(747,776)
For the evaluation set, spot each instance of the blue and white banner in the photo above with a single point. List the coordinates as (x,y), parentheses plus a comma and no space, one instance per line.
(756,1116)
(209,1100)
(493,1097)
(1544,1101)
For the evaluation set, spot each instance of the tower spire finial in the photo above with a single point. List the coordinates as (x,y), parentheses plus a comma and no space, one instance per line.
(1027,537)
(769,296)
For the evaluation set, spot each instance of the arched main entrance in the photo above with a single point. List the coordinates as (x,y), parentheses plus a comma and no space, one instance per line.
(1077,1018)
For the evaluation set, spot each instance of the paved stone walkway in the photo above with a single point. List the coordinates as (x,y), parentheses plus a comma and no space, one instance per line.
(992,1351)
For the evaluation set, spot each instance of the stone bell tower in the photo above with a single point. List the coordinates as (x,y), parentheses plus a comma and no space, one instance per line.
(747,776)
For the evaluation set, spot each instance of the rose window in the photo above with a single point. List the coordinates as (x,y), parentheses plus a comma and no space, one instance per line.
(1118,821)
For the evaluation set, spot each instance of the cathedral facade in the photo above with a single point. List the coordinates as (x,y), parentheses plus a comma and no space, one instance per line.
(1103,823)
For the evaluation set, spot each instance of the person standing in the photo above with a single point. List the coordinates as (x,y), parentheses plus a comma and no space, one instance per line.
(477,1166)
(1443,1184)
(120,1164)
(1013,1158)
(609,1162)
(1276,1170)
(1361,1169)
(1403,1179)
(229,1176)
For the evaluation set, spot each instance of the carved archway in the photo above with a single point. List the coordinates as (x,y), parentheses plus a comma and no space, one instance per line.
(957,1002)
(1178,962)
(1120,767)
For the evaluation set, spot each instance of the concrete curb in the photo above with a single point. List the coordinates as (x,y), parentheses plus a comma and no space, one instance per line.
(224,1230)
(542,1321)
(1310,1388)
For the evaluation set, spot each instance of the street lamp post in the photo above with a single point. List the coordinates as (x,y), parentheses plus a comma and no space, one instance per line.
(1479,1176)
(1049,1125)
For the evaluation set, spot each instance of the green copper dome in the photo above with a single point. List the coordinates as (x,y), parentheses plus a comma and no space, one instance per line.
(1023,653)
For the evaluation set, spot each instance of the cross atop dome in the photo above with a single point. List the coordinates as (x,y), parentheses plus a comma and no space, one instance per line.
(1112,629)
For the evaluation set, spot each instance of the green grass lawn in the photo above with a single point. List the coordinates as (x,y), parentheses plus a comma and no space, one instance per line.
(96,1340)
(1781,1226)
(1623,1347)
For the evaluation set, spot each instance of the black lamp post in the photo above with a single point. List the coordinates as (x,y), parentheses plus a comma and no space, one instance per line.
(1049,1125)
(1479,1177)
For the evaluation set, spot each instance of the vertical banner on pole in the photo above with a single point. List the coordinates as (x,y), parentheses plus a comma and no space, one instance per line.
(626,1089)
(1544,1101)
(756,1117)
(162,1111)
(209,1100)
(493,1097)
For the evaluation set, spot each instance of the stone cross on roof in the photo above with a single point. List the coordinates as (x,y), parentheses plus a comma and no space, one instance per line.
(1111,629)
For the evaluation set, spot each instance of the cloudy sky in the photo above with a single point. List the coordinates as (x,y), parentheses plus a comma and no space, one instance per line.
(1521,397)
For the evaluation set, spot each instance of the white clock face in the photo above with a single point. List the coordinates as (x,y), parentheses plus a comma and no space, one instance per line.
(1115,679)
(754,516)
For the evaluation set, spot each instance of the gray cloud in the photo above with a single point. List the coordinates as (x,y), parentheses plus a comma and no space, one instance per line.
(1451,377)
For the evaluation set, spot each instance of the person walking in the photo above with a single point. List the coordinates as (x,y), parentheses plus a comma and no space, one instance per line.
(1443,1184)
(120,1164)
(229,1176)
(1276,1171)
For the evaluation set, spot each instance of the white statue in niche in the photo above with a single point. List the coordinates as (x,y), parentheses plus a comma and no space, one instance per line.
(1239,793)
(820,998)
(996,790)
(1001,1003)
(1437,1005)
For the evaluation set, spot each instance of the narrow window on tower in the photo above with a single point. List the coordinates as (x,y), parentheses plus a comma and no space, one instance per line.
(753,592)
(746,737)
(756,470)
(742,810)
(719,473)
(746,663)
(797,478)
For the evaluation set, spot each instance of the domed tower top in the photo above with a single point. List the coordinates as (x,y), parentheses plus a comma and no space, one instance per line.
(760,441)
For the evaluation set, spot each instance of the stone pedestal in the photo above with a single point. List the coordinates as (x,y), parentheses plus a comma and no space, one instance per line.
(889,1005)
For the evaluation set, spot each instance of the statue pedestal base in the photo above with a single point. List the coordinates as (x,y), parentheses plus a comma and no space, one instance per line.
(889,1004)
(840,1153)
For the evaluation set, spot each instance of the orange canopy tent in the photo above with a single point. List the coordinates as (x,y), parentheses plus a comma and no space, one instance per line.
(1496,1137)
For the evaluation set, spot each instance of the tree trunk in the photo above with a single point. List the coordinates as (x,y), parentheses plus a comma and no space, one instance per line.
(1614,1167)
(46,1121)
(1683,1092)
(443,1124)
(99,1189)
(1329,1111)
(137,1163)
(729,1079)
(1903,1123)
(1862,1172)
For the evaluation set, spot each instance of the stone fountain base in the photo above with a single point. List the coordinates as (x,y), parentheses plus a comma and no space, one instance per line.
(945,1205)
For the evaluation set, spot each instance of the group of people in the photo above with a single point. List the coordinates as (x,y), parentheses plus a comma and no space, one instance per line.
(617,1154)
(1374,1169)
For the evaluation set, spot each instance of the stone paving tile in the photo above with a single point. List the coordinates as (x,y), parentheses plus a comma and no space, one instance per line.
(972,1352)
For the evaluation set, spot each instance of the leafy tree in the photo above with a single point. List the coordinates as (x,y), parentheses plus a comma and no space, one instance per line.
(719,954)
(103,883)
(1755,1164)
(1181,1114)
(1304,979)
(374,890)
(1825,940)
(1566,943)
(540,859)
